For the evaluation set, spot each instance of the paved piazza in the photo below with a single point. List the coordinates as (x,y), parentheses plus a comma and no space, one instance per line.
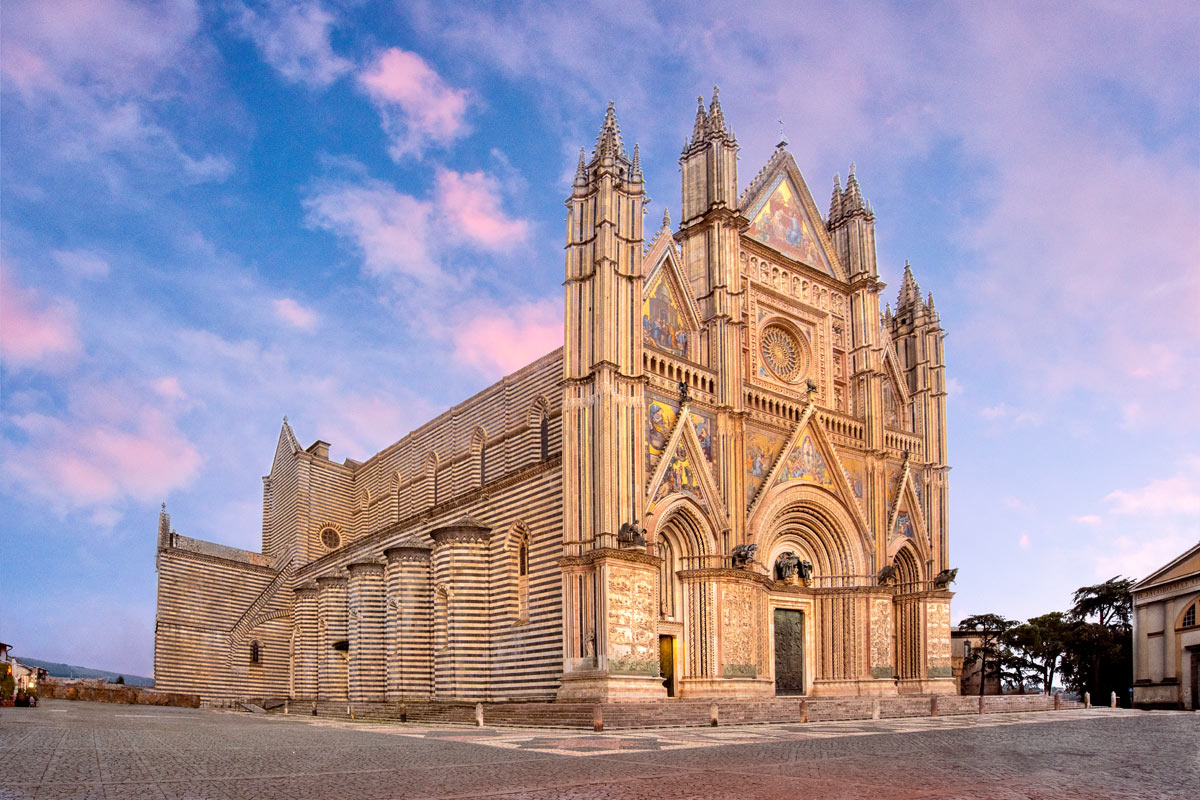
(89,750)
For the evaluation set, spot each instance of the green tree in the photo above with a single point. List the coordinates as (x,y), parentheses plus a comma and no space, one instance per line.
(120,679)
(989,651)
(1042,643)
(1098,655)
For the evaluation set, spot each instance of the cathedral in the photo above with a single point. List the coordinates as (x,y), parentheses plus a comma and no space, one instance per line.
(730,482)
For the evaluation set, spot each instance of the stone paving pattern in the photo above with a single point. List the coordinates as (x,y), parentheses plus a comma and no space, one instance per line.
(89,750)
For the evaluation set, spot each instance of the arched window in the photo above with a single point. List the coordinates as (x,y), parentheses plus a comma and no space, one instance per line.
(255,653)
(522,570)
(1189,616)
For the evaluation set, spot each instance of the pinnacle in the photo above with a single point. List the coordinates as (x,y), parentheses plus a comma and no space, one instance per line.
(910,292)
(835,202)
(701,122)
(580,170)
(716,117)
(608,143)
(637,160)
(666,219)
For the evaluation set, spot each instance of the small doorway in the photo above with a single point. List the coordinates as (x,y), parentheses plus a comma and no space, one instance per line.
(666,662)
(1195,676)
(789,651)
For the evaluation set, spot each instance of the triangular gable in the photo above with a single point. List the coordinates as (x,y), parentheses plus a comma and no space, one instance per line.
(784,217)
(895,391)
(906,518)
(661,417)
(1186,563)
(686,471)
(810,457)
(670,319)
(285,447)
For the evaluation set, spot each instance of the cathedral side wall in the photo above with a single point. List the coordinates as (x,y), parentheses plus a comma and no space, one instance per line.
(200,598)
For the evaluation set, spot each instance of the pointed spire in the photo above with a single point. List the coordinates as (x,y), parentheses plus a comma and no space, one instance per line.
(910,292)
(636,170)
(581,170)
(852,198)
(666,219)
(608,143)
(701,123)
(930,307)
(835,202)
(716,117)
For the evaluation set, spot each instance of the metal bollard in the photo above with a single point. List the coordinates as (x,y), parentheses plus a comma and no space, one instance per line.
(1057,701)
(597,718)
(1113,700)
(1087,699)
(803,711)
(479,715)
(981,708)
(933,709)
(712,715)
(875,708)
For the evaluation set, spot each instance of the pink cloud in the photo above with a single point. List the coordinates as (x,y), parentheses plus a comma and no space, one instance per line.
(86,462)
(470,202)
(168,388)
(417,106)
(1177,495)
(295,314)
(34,330)
(500,341)
(1088,519)
(81,263)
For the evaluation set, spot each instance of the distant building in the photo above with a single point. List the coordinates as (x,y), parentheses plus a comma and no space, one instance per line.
(1166,635)
(730,482)
(966,671)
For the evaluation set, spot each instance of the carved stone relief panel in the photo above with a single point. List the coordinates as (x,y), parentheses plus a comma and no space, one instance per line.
(937,637)
(632,616)
(739,635)
(882,661)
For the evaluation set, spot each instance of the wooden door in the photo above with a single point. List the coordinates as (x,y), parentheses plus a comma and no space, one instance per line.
(666,662)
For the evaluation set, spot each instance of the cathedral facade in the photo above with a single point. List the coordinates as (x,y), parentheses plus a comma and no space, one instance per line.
(730,481)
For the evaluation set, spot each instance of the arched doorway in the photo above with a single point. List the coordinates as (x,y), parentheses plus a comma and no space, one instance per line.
(681,538)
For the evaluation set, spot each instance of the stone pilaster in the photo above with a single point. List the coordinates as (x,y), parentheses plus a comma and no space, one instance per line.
(409,622)
(331,668)
(307,643)
(365,629)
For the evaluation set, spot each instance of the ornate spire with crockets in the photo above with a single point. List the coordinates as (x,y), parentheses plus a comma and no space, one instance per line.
(716,117)
(701,123)
(608,143)
(636,169)
(852,199)
(910,292)
(835,202)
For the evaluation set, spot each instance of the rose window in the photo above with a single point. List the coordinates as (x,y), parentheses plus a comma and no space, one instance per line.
(330,538)
(782,353)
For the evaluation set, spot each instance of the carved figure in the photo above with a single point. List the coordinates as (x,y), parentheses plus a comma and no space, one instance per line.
(944,578)
(805,570)
(630,535)
(743,554)
(786,565)
(887,574)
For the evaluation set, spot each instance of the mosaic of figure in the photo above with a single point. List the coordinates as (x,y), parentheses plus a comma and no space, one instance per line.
(662,323)
(761,450)
(679,477)
(704,433)
(904,525)
(805,463)
(783,225)
(660,421)
(853,470)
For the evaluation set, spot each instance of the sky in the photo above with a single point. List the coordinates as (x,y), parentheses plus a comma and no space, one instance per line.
(216,214)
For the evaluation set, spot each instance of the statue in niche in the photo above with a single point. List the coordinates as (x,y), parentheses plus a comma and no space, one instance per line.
(743,554)
(786,566)
(589,644)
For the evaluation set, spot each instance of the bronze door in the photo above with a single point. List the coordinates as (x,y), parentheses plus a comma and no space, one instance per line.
(789,651)
(666,662)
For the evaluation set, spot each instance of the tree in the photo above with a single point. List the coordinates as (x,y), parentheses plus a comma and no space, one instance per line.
(1042,642)
(989,651)
(1098,655)
(120,679)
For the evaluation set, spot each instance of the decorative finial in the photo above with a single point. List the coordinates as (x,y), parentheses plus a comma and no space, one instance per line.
(666,218)
(285,422)
(164,507)
(783,142)
(637,159)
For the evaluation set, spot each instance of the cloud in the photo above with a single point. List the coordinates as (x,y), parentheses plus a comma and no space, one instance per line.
(34,329)
(1019,417)
(1137,556)
(295,314)
(470,204)
(498,341)
(168,388)
(294,39)
(417,106)
(81,263)
(1179,494)
(390,229)
(1023,542)
(1088,519)
(129,450)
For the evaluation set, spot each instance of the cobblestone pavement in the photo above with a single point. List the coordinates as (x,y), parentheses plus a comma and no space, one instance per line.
(90,750)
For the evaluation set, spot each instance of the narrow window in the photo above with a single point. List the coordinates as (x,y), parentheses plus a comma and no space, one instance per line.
(523,579)
(1189,617)
(255,653)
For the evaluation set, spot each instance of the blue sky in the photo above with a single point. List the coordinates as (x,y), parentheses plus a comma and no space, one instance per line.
(350,213)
